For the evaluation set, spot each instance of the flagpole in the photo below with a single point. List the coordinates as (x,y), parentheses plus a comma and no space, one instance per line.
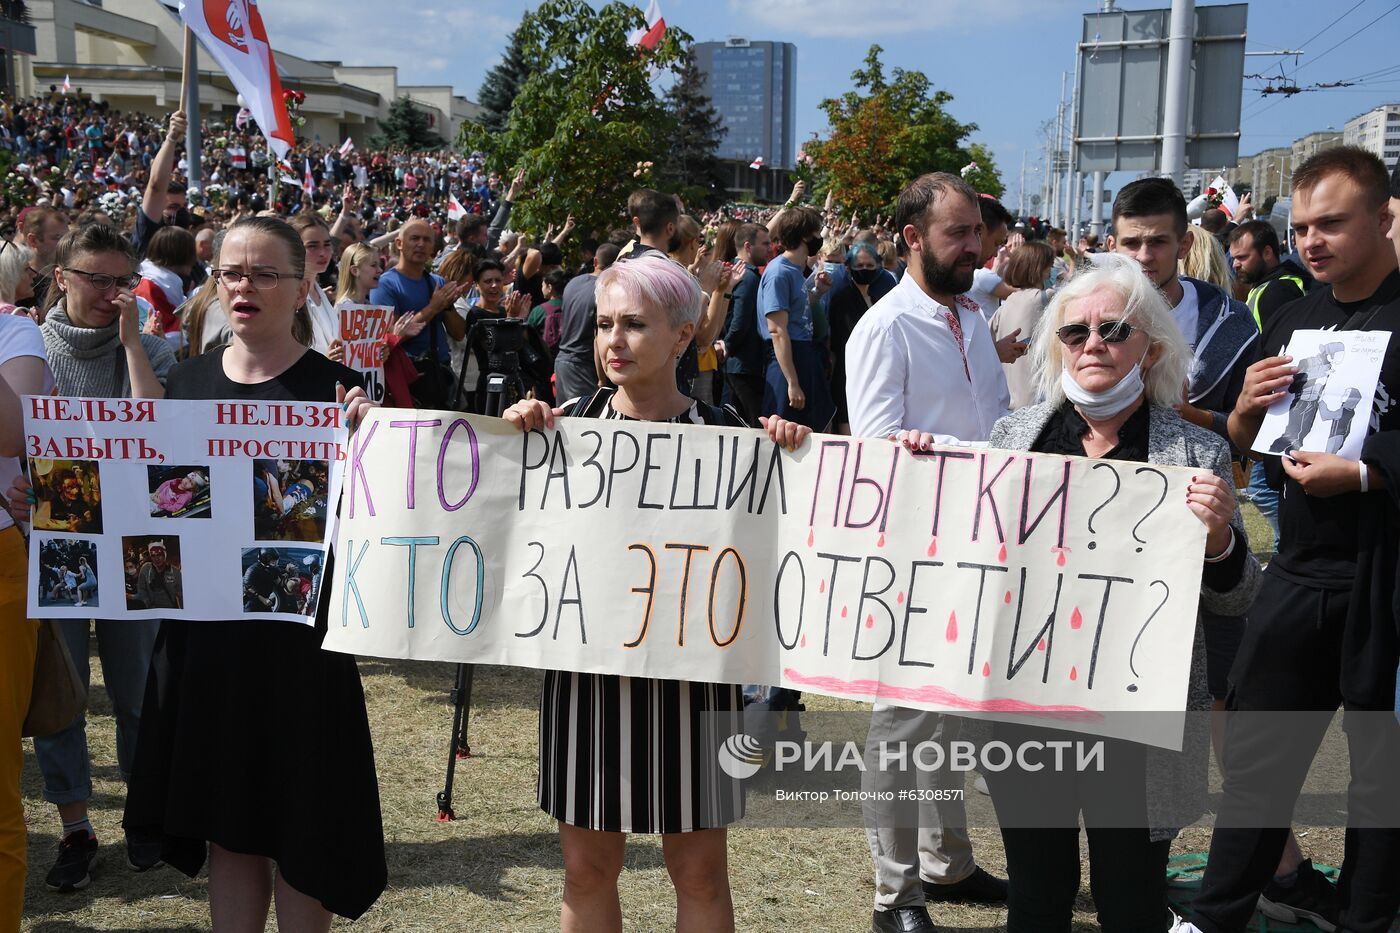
(185,68)
(189,102)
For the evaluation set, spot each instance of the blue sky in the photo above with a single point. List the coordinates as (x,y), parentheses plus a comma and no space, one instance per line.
(1000,59)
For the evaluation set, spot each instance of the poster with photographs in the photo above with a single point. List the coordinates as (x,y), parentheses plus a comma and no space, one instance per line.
(180,509)
(364,332)
(1327,406)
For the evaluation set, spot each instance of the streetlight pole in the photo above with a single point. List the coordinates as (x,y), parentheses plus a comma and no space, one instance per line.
(1179,43)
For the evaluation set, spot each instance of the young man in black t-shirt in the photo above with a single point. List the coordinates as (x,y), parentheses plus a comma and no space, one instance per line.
(1322,632)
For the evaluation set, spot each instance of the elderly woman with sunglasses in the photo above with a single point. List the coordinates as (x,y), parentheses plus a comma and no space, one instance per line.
(1111,364)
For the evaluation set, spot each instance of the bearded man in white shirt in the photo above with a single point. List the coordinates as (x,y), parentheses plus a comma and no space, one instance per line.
(922,369)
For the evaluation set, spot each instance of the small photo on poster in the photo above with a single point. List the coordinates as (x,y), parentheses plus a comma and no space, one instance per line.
(152,567)
(281,579)
(179,491)
(68,573)
(1326,408)
(68,494)
(290,500)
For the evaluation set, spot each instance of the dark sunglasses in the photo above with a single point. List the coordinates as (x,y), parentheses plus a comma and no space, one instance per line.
(1076,335)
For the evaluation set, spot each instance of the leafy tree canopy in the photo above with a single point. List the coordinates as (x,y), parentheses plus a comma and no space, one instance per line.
(586,115)
(887,131)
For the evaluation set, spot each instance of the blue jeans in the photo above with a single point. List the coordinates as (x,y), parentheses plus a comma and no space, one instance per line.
(125,650)
(1264,497)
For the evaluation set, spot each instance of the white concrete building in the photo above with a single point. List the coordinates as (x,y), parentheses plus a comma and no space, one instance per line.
(1377,131)
(129,52)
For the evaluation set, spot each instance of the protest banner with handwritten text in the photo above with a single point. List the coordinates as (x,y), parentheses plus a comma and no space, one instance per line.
(180,509)
(363,329)
(997,582)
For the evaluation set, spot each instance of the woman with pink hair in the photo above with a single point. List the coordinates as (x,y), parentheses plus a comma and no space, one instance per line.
(607,742)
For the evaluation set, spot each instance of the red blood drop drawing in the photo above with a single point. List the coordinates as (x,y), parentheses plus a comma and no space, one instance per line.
(811,537)
(1007,598)
(986,669)
(1074,673)
(899,597)
(870,621)
(1076,618)
(1041,646)
(844,611)
(952,633)
(803,642)
(1001,555)
(881,542)
(1061,559)
(933,548)
(821,587)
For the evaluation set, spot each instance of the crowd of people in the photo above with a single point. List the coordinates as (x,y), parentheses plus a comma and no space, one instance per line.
(950,322)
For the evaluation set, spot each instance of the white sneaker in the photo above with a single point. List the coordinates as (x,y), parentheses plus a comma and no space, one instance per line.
(1181,926)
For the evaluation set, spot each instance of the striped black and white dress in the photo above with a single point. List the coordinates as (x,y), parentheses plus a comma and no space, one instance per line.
(635,754)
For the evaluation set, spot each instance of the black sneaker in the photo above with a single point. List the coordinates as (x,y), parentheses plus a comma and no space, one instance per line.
(1312,898)
(142,850)
(73,870)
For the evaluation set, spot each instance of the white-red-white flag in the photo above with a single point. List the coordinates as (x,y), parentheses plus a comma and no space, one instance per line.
(347,147)
(232,32)
(756,163)
(455,211)
(67,85)
(655,31)
(1229,201)
(308,181)
(237,157)
(244,115)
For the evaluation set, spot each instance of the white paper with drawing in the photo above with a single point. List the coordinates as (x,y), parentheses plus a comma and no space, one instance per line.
(1327,408)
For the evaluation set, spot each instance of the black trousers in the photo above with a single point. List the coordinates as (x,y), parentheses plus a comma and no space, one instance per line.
(1291,659)
(1039,815)
(746,391)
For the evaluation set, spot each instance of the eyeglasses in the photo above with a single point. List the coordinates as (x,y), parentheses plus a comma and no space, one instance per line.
(230,278)
(1076,335)
(103,282)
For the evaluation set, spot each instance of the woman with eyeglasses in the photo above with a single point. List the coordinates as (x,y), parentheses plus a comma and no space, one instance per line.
(255,746)
(95,348)
(1111,363)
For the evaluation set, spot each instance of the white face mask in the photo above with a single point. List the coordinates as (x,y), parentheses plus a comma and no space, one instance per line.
(1100,406)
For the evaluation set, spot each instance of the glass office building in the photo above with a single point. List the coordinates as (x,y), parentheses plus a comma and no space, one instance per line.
(752,85)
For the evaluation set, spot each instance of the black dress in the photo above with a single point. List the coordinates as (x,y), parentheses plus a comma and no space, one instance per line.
(638,754)
(252,736)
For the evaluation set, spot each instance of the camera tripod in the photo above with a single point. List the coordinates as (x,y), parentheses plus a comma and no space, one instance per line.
(504,387)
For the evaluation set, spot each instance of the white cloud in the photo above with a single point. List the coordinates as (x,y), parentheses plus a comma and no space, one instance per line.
(436,44)
(848,19)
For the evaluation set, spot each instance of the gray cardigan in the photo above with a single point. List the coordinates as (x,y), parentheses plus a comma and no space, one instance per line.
(1177,782)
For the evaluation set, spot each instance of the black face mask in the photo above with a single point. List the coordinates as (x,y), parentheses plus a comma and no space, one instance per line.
(864,276)
(814,247)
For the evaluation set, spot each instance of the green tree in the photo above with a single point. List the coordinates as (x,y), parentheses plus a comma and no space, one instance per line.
(585,117)
(502,83)
(690,164)
(885,132)
(985,177)
(405,126)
